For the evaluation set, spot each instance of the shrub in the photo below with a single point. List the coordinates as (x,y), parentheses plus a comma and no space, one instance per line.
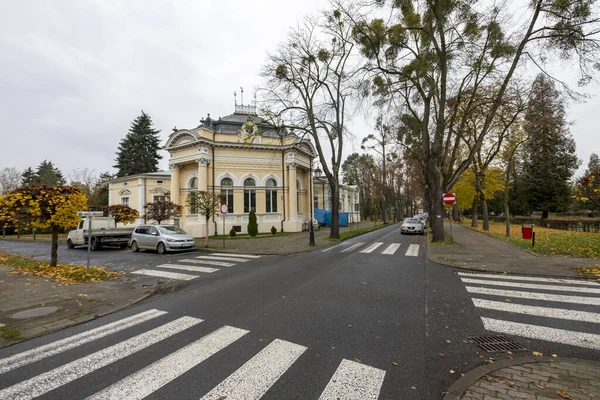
(232,232)
(252,224)
(273,230)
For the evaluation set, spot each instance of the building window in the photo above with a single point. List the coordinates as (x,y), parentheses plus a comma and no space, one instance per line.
(271,194)
(193,183)
(125,201)
(159,182)
(249,195)
(298,188)
(316,201)
(227,193)
(342,203)
(160,197)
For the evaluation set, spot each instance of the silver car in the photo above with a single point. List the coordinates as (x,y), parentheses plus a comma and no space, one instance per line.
(161,238)
(412,225)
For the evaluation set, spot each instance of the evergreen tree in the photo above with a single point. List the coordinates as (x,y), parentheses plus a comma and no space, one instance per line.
(28,177)
(252,224)
(594,163)
(138,150)
(47,174)
(549,158)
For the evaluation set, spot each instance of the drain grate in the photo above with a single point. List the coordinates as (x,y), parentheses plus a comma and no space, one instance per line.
(463,272)
(496,343)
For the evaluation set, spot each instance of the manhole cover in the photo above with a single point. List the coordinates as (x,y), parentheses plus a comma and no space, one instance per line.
(35,312)
(496,343)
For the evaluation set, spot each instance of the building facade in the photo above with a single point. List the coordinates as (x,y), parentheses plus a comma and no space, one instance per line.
(349,200)
(242,159)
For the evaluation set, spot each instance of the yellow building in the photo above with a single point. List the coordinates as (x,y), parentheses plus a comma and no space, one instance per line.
(243,159)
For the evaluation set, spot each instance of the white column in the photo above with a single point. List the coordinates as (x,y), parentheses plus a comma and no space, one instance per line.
(141,195)
(293,190)
(202,174)
(174,183)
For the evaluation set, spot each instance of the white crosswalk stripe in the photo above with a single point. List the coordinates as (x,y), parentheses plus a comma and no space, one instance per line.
(191,268)
(207,262)
(583,294)
(235,255)
(354,246)
(372,247)
(391,249)
(350,381)
(223,258)
(413,250)
(335,247)
(60,376)
(354,381)
(144,382)
(165,274)
(39,353)
(254,378)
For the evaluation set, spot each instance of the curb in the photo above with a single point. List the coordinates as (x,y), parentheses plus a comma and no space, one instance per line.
(459,387)
(487,271)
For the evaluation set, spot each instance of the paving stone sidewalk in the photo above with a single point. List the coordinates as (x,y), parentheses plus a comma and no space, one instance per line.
(540,378)
(478,251)
(74,304)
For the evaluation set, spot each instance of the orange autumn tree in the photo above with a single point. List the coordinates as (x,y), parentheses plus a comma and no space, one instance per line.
(53,207)
(123,213)
(16,211)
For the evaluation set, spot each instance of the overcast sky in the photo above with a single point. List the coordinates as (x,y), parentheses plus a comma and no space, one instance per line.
(74,74)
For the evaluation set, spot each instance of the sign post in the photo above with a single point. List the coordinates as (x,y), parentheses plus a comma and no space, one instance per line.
(450,199)
(90,215)
(224,210)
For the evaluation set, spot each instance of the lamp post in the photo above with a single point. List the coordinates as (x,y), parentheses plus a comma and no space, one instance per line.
(311,228)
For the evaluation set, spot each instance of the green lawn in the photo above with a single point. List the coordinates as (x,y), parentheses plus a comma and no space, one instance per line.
(356,232)
(550,242)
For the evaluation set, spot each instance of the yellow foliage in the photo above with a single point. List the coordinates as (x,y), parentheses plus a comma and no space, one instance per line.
(466,189)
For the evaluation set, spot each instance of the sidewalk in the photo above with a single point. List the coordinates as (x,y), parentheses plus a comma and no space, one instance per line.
(289,244)
(33,306)
(477,251)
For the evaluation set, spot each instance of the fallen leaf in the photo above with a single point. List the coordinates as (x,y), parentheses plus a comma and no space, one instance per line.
(563,394)
(413,387)
(452,371)
(395,364)
(349,326)
(537,354)
(554,355)
(448,341)
(441,354)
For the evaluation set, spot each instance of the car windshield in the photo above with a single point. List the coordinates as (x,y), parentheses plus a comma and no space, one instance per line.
(169,230)
(410,221)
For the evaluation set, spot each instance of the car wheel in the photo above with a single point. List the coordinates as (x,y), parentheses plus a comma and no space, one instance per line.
(161,248)
(134,247)
(70,244)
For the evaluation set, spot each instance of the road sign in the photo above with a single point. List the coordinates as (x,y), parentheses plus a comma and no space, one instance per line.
(224,208)
(449,198)
(90,213)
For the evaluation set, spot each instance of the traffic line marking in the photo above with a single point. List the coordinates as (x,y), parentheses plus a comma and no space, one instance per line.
(220,258)
(333,247)
(532,286)
(62,375)
(354,246)
(594,301)
(354,381)
(147,380)
(579,339)
(188,268)
(208,262)
(165,274)
(50,349)
(412,251)
(559,313)
(530,278)
(372,247)
(252,380)
(391,249)
(235,255)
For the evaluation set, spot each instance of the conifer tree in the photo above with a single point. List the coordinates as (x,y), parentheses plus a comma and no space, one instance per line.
(28,177)
(138,150)
(47,174)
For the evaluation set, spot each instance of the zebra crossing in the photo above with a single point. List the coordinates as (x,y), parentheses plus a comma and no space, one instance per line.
(350,381)
(363,248)
(551,300)
(205,264)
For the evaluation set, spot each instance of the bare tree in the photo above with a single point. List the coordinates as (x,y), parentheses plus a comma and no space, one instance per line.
(308,87)
(205,203)
(10,179)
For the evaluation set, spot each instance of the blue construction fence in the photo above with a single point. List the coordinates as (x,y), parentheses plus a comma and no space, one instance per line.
(323,217)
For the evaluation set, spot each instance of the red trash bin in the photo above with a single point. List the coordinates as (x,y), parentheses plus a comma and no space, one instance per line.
(527,231)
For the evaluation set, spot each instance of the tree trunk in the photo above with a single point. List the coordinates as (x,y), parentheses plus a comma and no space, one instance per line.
(54,247)
(486,217)
(435,201)
(507,217)
(335,208)
(474,221)
(545,214)
(455,212)
(33,231)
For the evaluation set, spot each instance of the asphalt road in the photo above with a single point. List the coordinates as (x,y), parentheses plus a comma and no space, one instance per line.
(284,326)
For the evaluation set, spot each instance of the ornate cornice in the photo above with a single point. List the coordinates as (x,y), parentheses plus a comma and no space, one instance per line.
(203,161)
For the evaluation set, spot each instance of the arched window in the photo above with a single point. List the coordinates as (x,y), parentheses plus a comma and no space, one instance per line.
(249,195)
(227,193)
(298,188)
(193,186)
(271,195)
(343,203)
(193,183)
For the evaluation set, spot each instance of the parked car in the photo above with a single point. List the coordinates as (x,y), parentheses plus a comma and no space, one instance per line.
(161,238)
(412,225)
